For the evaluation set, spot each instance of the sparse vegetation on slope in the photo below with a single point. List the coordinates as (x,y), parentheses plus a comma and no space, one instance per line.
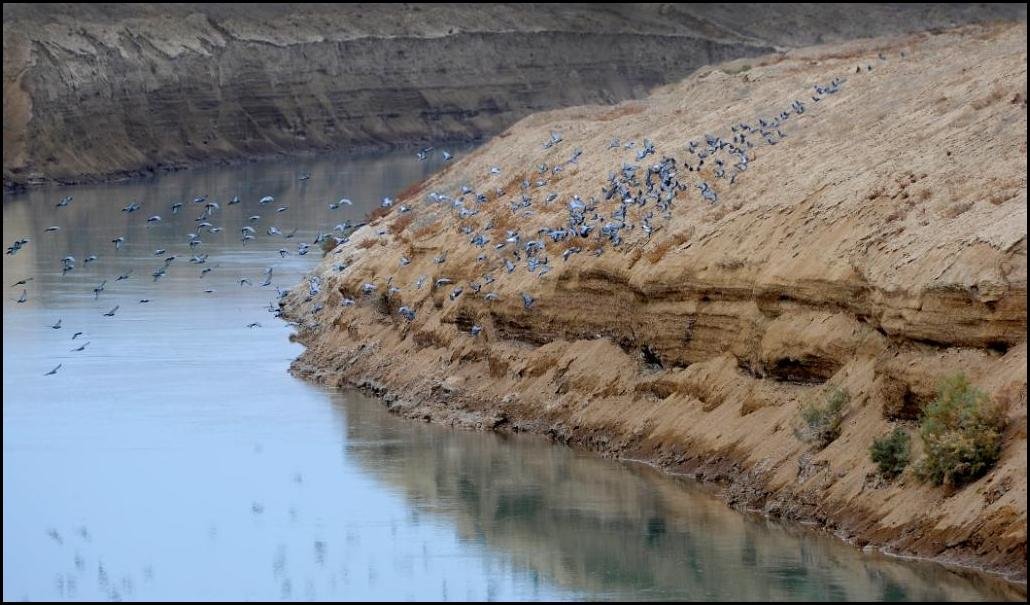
(601,286)
(961,432)
(891,452)
(821,422)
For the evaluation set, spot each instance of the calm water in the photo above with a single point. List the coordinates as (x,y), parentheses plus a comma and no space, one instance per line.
(175,458)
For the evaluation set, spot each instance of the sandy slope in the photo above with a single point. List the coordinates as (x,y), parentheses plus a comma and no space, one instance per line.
(878,246)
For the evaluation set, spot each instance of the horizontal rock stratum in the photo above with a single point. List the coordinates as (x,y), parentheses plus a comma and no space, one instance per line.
(102,91)
(875,242)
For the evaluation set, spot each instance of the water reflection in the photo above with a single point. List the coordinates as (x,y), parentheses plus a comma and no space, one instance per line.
(617,532)
(175,458)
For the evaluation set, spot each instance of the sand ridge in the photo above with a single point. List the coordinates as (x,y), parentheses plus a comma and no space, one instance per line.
(878,246)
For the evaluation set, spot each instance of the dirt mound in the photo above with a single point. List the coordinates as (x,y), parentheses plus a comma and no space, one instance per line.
(848,216)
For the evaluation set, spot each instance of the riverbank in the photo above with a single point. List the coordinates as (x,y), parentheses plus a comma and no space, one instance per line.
(877,244)
(310,492)
(94,93)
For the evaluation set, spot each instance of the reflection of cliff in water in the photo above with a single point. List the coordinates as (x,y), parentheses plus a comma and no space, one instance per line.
(604,528)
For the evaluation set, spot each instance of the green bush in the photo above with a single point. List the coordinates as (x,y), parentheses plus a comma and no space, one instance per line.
(891,452)
(961,432)
(821,423)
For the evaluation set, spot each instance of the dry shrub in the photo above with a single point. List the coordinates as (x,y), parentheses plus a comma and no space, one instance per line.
(402,222)
(821,423)
(998,199)
(514,183)
(896,215)
(378,213)
(503,221)
(957,209)
(498,367)
(568,243)
(993,97)
(753,401)
(731,264)
(426,231)
(626,109)
(659,251)
(681,237)
(328,245)
(717,213)
(366,243)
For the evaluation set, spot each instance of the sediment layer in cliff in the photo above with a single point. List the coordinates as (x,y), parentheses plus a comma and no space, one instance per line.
(873,240)
(107,91)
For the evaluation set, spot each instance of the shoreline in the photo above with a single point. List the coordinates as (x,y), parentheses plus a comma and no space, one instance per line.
(717,488)
(695,342)
(134,176)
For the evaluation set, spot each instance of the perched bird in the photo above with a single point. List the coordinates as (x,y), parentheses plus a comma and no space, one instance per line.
(527,300)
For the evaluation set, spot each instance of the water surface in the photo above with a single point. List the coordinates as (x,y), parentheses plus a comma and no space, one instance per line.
(175,457)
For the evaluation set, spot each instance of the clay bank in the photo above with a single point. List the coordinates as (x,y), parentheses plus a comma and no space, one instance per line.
(691,278)
(109,91)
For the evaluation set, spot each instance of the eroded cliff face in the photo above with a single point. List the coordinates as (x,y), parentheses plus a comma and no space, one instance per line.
(107,91)
(875,242)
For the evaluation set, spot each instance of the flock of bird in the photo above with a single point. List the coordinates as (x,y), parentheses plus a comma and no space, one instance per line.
(651,189)
(192,246)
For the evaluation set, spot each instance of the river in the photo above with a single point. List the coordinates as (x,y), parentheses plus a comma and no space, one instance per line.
(174,457)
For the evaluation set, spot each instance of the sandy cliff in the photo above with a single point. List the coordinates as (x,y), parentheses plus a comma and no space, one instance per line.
(106,91)
(875,241)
